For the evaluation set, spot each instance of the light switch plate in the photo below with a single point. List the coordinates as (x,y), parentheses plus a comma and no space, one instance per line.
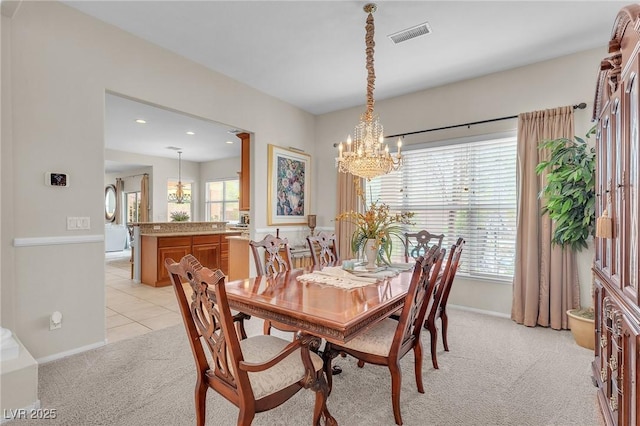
(72,223)
(84,223)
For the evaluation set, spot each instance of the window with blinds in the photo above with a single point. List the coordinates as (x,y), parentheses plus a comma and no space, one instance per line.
(460,190)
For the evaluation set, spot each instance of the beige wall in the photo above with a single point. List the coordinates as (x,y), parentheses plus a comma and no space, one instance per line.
(565,81)
(61,63)
(7,292)
(56,66)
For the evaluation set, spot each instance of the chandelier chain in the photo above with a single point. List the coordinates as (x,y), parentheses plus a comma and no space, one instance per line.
(371,73)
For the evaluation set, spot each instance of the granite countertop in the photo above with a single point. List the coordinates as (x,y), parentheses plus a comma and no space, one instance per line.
(186,234)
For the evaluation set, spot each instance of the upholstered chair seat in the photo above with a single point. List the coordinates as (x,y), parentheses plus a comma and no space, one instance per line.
(375,341)
(258,349)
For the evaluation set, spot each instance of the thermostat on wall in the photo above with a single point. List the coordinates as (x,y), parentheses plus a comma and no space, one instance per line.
(56,179)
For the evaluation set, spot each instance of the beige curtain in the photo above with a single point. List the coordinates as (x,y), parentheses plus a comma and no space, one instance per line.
(144,199)
(347,200)
(119,200)
(545,283)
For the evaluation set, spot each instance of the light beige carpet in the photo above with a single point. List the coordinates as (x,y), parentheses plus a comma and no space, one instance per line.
(497,373)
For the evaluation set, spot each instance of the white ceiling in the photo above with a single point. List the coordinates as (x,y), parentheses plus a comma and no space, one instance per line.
(165,132)
(312,54)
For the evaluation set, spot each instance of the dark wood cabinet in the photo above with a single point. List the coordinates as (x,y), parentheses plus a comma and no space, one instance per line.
(616,302)
(245,173)
(211,250)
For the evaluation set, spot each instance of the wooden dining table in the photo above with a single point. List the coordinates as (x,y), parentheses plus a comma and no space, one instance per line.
(332,313)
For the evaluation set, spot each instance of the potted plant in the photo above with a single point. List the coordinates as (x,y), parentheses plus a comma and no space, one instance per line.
(180,216)
(375,229)
(569,194)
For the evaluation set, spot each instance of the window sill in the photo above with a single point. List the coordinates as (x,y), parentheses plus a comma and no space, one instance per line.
(488,280)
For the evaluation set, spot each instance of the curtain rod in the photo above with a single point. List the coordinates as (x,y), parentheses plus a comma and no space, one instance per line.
(581,105)
(141,174)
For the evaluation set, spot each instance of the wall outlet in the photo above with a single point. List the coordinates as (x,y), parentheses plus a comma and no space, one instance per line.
(55,321)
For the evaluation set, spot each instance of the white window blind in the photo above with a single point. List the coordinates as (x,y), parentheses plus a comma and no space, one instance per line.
(463,190)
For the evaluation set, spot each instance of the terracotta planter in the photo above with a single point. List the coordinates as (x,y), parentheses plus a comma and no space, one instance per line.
(582,330)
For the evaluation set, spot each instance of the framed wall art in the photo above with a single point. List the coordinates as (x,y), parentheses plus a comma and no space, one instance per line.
(288,195)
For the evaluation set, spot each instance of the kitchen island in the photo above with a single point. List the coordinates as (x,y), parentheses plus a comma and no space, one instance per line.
(204,240)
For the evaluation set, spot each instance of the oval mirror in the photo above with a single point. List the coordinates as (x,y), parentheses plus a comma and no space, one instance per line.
(110,202)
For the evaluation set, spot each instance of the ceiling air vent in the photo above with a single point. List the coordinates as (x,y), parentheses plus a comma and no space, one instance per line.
(409,33)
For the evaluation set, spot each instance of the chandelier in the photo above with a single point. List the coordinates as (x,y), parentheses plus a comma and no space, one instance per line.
(179,197)
(367,155)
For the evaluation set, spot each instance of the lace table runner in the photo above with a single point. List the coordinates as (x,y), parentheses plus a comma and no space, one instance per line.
(336,276)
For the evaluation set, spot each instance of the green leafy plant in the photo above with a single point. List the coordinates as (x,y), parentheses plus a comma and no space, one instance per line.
(180,216)
(378,223)
(569,192)
(586,313)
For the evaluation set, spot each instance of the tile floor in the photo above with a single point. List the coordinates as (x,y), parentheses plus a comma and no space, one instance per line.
(135,309)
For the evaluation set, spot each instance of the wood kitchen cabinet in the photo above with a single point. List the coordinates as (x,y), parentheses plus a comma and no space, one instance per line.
(206,248)
(211,250)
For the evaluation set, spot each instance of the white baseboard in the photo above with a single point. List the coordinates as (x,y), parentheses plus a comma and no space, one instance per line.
(65,354)
(480,311)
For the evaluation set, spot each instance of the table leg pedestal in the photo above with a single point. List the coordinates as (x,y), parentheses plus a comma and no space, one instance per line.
(315,380)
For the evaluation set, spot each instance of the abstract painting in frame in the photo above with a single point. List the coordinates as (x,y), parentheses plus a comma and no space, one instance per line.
(288,194)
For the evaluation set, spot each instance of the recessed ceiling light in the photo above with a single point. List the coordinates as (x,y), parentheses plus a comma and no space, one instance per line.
(190,133)
(230,142)
(141,121)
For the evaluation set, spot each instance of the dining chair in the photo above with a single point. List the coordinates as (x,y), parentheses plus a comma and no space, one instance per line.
(439,308)
(324,249)
(277,260)
(255,374)
(276,255)
(421,243)
(389,340)
(324,252)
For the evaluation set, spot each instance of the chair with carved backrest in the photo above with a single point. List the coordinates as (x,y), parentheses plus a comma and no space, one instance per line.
(255,374)
(277,260)
(389,340)
(421,244)
(324,249)
(324,252)
(276,255)
(439,309)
